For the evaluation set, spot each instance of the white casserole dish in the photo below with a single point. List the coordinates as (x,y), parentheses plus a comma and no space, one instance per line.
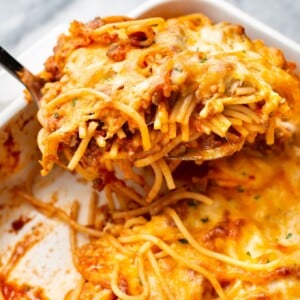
(48,263)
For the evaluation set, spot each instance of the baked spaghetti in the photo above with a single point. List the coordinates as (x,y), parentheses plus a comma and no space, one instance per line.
(240,241)
(245,245)
(125,93)
(127,96)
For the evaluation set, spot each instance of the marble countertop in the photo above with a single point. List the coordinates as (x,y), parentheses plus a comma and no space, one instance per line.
(23,22)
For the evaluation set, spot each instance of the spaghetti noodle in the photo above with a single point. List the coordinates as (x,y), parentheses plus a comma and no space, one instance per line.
(147,91)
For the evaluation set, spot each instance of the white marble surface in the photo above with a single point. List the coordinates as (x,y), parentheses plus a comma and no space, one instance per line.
(22,22)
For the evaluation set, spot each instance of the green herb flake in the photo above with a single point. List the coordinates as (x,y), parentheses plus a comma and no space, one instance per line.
(107,79)
(204,220)
(257,197)
(240,189)
(244,173)
(178,69)
(203,60)
(56,115)
(74,101)
(183,241)
(140,281)
(248,253)
(192,203)
(288,236)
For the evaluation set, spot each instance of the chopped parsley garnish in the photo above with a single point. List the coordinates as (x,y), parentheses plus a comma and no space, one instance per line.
(183,241)
(204,220)
(193,203)
(203,60)
(289,235)
(257,197)
(248,253)
(140,281)
(56,115)
(178,69)
(74,101)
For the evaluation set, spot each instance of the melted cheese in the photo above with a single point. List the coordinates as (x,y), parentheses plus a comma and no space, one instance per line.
(254,218)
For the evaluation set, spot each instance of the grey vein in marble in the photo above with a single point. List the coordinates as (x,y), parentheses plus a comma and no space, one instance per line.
(282,15)
(25,16)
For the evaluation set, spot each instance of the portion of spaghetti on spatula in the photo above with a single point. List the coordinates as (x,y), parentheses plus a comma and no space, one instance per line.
(125,93)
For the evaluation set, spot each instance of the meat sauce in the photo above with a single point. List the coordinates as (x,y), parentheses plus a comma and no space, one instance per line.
(15,291)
